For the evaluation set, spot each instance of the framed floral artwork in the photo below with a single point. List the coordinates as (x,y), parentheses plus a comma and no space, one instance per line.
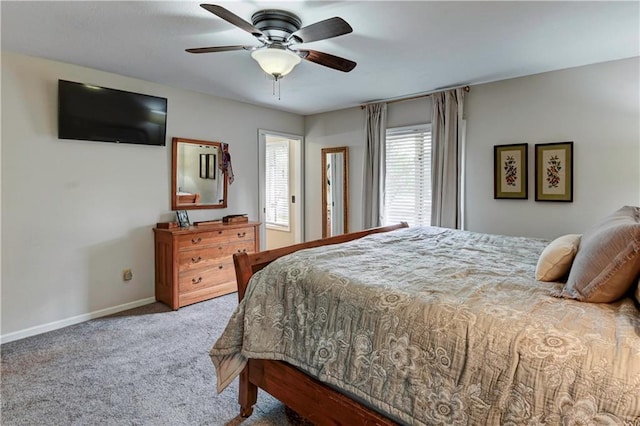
(510,171)
(554,172)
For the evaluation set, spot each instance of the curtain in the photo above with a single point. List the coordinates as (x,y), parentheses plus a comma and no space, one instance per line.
(374,165)
(447,131)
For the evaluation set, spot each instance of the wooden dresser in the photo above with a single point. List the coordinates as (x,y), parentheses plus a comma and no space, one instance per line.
(195,264)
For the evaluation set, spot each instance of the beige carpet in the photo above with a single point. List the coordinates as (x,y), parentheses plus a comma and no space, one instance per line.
(146,366)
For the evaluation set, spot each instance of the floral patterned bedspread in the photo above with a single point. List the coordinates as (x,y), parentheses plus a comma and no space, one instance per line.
(439,326)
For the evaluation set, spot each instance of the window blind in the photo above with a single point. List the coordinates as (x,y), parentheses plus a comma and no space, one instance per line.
(408,175)
(277,183)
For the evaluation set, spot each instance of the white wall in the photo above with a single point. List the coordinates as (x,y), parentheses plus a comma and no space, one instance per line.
(331,129)
(76,213)
(594,106)
(346,128)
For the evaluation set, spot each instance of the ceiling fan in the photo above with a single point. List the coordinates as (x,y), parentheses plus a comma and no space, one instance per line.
(280,32)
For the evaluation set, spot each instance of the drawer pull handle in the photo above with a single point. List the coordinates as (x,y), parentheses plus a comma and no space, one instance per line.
(244,250)
(196,259)
(220,267)
(241,234)
(198,281)
(219,232)
(196,240)
(219,247)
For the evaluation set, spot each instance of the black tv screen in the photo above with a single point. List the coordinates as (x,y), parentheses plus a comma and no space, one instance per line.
(93,113)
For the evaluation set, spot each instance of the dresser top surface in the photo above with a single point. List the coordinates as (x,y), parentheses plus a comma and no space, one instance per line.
(206,228)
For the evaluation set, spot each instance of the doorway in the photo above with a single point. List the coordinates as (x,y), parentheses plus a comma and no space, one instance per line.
(281,182)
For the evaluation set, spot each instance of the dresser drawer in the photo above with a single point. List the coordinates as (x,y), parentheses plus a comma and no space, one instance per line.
(239,246)
(217,274)
(206,293)
(211,255)
(201,239)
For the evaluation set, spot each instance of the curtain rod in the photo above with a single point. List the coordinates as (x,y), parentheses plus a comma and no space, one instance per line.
(422,95)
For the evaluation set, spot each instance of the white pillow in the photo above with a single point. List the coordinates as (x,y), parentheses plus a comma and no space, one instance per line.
(556,259)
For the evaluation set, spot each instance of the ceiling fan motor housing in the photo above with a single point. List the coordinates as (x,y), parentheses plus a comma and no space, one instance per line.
(279,33)
(277,25)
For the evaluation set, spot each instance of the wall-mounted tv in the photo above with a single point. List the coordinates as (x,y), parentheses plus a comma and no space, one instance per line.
(93,113)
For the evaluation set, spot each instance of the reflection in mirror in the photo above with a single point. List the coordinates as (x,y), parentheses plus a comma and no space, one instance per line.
(197,180)
(335,196)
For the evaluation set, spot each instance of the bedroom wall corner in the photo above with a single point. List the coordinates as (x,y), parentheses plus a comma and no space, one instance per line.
(76,213)
(331,129)
(346,128)
(595,106)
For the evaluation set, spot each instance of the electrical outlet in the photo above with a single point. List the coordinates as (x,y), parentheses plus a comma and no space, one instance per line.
(127,275)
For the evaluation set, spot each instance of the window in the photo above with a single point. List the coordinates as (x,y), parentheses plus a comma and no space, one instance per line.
(408,175)
(277,184)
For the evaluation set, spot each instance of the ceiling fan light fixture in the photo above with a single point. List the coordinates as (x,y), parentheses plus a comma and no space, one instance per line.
(276,61)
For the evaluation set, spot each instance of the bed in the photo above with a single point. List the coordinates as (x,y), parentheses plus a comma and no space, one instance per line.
(426,325)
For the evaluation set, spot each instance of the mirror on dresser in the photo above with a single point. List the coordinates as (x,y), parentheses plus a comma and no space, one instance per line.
(335,194)
(197,177)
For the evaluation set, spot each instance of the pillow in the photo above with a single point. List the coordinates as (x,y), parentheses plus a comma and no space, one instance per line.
(608,259)
(556,259)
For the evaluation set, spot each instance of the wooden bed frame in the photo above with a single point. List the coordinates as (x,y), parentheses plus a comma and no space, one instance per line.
(310,398)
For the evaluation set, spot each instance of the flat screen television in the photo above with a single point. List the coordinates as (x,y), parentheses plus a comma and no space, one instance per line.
(92,113)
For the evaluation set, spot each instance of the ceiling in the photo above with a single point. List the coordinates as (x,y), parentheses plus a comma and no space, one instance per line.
(402,48)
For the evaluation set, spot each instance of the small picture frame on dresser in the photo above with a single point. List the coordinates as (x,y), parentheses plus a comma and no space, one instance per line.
(183,218)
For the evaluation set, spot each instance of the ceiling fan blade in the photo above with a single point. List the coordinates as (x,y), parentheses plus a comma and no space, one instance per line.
(329,28)
(217,49)
(232,18)
(331,61)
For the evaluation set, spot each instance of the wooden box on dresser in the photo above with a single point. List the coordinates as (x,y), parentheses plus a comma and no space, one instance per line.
(196,263)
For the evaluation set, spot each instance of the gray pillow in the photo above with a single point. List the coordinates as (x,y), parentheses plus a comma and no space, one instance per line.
(608,259)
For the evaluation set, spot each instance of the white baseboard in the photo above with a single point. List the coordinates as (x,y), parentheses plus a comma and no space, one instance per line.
(39,329)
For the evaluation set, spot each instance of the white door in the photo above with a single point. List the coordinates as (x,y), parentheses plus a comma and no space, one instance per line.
(280,171)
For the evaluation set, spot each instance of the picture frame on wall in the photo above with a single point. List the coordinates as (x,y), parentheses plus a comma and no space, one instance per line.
(203,166)
(510,177)
(208,166)
(212,166)
(554,172)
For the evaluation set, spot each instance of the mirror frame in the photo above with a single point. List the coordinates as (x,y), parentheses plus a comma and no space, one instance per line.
(174,177)
(345,190)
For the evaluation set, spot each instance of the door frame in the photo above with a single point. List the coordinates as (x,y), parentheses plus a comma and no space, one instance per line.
(299,179)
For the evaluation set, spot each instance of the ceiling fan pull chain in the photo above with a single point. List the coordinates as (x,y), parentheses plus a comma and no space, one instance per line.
(275,82)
